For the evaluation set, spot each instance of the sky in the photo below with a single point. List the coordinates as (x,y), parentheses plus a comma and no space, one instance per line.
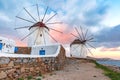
(101,17)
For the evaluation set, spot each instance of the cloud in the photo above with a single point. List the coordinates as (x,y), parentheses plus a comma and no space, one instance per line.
(4,17)
(80,12)
(74,12)
(77,12)
(6,24)
(16,39)
(109,37)
(8,11)
(103,52)
(110,49)
(65,37)
(95,15)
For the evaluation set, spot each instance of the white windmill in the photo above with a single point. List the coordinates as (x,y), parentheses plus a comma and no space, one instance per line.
(39,32)
(80,46)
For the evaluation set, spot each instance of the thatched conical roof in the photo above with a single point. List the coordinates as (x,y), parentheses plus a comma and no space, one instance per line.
(76,41)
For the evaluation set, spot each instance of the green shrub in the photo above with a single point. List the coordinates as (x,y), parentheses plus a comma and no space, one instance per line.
(29,77)
(40,74)
(20,79)
(38,79)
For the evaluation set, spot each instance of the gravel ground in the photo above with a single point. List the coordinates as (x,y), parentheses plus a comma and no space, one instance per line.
(77,70)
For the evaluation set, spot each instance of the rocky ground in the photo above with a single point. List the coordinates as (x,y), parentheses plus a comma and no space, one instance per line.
(77,70)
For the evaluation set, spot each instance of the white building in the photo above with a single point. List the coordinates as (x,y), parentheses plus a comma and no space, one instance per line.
(7,45)
(39,40)
(77,49)
(40,36)
(46,50)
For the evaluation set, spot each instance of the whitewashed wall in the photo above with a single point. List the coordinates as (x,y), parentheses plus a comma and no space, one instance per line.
(75,51)
(8,45)
(49,49)
(36,39)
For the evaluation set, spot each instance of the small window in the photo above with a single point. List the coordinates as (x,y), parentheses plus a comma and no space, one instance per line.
(40,35)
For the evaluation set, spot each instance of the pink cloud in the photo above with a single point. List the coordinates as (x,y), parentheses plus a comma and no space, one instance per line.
(110,49)
(17,40)
(66,37)
(20,43)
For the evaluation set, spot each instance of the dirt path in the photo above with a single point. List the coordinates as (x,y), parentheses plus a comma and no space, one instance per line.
(77,70)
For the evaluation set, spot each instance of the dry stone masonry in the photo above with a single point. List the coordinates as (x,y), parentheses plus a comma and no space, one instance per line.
(14,68)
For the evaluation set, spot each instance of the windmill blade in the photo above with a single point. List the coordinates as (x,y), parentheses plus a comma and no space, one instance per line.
(55,30)
(44,37)
(51,17)
(82,36)
(30,14)
(88,50)
(90,45)
(37,36)
(55,23)
(86,33)
(22,27)
(51,36)
(78,33)
(90,39)
(28,35)
(25,19)
(38,12)
(45,14)
(74,35)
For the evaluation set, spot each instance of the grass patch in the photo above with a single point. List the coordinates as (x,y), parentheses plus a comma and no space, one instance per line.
(40,74)
(38,79)
(29,77)
(108,72)
(20,79)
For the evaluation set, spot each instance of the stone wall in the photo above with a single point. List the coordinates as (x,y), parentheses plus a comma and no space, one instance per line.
(23,50)
(14,68)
